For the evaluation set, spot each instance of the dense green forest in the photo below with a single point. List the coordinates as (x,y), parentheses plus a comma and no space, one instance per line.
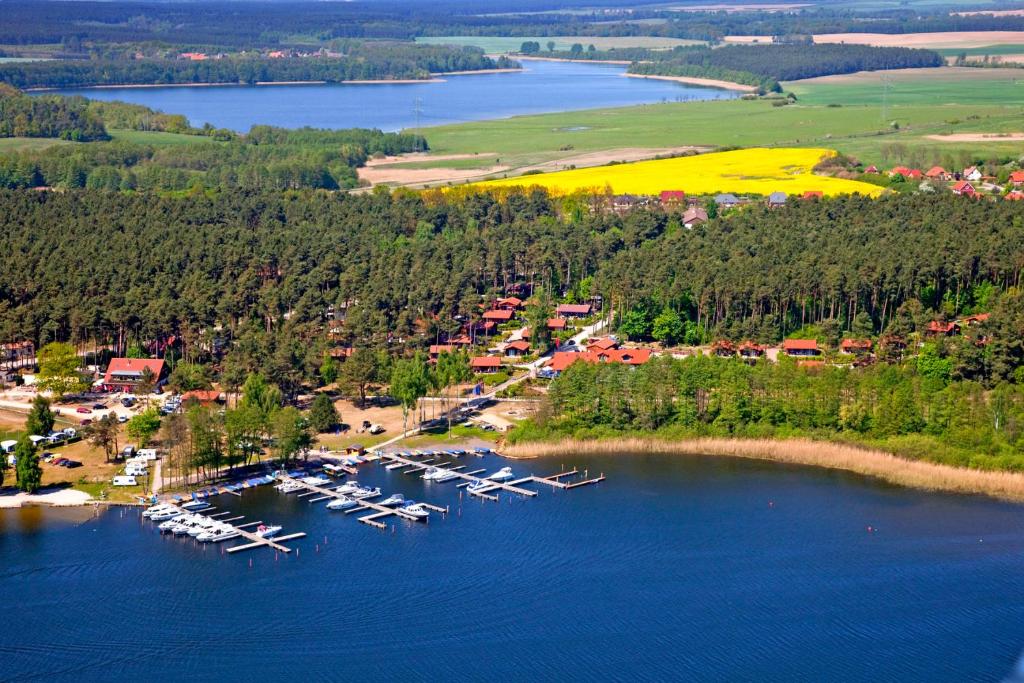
(91,27)
(766,65)
(112,266)
(67,118)
(266,158)
(917,409)
(366,62)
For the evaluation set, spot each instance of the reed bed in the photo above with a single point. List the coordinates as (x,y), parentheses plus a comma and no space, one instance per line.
(872,463)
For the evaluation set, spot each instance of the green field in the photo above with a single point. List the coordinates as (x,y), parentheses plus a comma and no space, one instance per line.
(140,137)
(915,87)
(1015,49)
(859,130)
(499,44)
(28,144)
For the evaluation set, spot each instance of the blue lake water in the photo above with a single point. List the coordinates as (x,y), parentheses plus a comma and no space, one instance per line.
(675,568)
(540,87)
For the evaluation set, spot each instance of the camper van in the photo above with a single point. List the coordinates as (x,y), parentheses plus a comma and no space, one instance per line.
(124,480)
(146,454)
(8,446)
(136,469)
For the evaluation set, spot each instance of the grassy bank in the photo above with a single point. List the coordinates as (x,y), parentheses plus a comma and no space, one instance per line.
(864,461)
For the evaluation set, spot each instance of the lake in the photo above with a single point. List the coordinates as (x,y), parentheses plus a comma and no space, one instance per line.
(676,567)
(541,87)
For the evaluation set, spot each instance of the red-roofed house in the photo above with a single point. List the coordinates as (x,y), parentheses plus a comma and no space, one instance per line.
(855,346)
(124,374)
(937,173)
(498,315)
(964,189)
(557,324)
(813,194)
(1017,178)
(915,174)
(672,197)
(560,360)
(971,173)
(437,349)
(801,347)
(602,344)
(462,340)
(563,359)
(750,351)
(573,310)
(724,348)
(203,397)
(871,169)
(899,170)
(509,303)
(485,364)
(1014,196)
(938,328)
(975,319)
(517,348)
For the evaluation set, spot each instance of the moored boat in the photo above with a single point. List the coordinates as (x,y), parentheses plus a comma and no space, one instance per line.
(504,474)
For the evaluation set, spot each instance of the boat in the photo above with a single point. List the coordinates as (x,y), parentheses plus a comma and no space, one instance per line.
(504,474)
(444,475)
(170,513)
(317,480)
(267,531)
(394,466)
(218,535)
(169,524)
(341,503)
(416,510)
(366,492)
(157,509)
(195,505)
(289,487)
(201,525)
(347,488)
(334,470)
(393,500)
(480,487)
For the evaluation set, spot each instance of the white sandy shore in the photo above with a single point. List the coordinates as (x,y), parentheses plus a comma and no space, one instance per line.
(54,498)
(690,80)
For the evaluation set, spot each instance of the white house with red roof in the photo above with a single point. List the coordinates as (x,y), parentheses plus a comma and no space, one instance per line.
(125,374)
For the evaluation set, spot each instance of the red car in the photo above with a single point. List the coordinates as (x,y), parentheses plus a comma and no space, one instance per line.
(83,409)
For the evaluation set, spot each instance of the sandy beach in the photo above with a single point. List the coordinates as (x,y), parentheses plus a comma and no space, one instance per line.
(690,80)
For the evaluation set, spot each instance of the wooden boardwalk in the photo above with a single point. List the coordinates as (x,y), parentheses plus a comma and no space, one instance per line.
(372,519)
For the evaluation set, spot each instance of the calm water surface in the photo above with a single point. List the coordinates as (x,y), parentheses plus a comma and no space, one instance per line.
(540,87)
(675,568)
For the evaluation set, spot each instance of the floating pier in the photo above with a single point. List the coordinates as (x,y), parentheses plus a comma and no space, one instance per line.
(363,504)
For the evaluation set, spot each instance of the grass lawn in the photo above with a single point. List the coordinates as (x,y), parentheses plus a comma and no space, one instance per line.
(1008,49)
(861,130)
(142,137)
(439,437)
(498,44)
(28,144)
(945,86)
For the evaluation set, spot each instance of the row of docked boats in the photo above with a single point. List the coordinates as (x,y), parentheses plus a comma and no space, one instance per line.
(176,520)
(443,474)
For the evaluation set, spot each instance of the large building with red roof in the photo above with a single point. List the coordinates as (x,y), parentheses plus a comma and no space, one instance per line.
(124,374)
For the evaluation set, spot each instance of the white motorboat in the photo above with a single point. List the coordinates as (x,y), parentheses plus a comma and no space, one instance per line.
(317,480)
(393,500)
(201,525)
(504,474)
(394,466)
(438,474)
(218,535)
(416,510)
(170,513)
(267,531)
(342,503)
(348,488)
(290,487)
(366,493)
(480,487)
(195,505)
(156,509)
(334,470)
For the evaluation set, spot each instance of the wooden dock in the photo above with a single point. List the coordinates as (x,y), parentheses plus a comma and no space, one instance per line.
(379,511)
(469,478)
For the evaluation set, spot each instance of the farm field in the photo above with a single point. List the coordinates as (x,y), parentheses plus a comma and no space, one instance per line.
(941,86)
(29,144)
(948,39)
(747,171)
(498,44)
(141,137)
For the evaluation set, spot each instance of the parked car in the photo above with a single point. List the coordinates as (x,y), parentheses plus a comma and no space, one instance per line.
(377,429)
(86,423)
(70,432)
(71,464)
(59,462)
(122,418)
(83,410)
(99,406)
(127,402)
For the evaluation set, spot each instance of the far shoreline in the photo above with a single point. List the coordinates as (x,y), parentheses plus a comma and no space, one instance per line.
(893,469)
(693,80)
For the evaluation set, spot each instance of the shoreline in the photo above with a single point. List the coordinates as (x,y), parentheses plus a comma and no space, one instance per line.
(620,62)
(917,474)
(693,80)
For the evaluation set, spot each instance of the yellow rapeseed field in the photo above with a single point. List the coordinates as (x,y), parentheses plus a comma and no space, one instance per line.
(747,171)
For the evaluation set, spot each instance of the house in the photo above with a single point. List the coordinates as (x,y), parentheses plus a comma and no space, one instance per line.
(602,344)
(625,202)
(813,194)
(563,359)
(194,56)
(855,346)
(937,328)
(972,173)
(937,173)
(915,174)
(437,349)
(340,352)
(723,348)
(485,364)
(750,351)
(557,324)
(202,397)
(573,310)
(461,340)
(499,315)
(777,199)
(964,189)
(510,303)
(672,197)
(894,346)
(517,348)
(872,169)
(485,327)
(899,170)
(801,347)
(1017,178)
(973,320)
(1014,196)
(17,354)
(727,200)
(124,374)
(560,360)
(694,216)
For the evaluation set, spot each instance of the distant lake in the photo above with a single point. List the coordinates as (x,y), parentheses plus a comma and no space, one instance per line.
(541,87)
(675,568)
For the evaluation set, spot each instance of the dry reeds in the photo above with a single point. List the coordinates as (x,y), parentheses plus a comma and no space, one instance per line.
(872,463)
